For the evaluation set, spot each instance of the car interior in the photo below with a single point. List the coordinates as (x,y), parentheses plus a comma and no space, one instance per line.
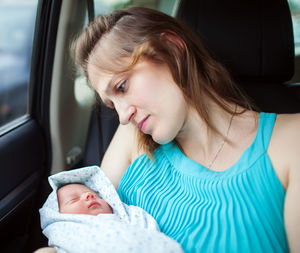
(64,127)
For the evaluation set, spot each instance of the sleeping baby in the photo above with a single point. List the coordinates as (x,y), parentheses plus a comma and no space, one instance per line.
(85,214)
(79,199)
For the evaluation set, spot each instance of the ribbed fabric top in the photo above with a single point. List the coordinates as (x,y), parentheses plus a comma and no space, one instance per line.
(236,210)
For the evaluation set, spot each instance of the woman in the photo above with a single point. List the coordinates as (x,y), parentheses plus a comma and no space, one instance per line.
(203,163)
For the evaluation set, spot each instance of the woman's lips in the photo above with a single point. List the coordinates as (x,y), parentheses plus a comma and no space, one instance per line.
(142,124)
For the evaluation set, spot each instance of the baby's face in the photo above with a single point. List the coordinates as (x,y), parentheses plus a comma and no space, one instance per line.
(79,199)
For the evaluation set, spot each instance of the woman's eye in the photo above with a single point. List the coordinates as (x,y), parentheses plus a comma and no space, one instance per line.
(122,87)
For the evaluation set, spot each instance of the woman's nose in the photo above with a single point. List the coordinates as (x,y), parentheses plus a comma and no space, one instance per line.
(126,112)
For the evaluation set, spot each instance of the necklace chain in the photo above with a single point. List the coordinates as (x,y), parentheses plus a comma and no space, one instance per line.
(224,140)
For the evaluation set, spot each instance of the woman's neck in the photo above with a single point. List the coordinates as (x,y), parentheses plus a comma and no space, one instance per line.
(201,143)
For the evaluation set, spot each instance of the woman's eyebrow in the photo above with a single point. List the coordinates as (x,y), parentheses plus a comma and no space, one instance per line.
(113,80)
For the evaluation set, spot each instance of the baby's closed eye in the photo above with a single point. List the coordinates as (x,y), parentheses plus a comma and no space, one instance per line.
(73,200)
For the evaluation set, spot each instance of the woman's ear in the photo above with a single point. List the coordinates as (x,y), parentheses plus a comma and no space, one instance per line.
(174,39)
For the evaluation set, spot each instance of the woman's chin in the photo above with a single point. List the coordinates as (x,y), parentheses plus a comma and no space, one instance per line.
(161,140)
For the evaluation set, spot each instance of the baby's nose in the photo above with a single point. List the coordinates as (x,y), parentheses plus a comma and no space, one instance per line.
(89,195)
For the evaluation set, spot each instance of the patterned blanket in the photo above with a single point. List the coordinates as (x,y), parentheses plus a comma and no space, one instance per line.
(128,229)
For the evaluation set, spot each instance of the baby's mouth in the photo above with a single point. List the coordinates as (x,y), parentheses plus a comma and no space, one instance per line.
(93,204)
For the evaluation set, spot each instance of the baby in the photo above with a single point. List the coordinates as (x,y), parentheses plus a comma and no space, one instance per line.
(79,199)
(85,214)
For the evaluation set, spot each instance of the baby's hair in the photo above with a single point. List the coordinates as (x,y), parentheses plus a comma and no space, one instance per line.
(62,185)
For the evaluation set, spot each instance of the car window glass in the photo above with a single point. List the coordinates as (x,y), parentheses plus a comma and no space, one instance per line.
(295,11)
(17,22)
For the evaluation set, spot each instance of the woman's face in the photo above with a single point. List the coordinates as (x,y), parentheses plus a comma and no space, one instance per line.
(147,97)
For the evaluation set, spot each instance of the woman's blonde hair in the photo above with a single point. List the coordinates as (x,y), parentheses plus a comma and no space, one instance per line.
(141,33)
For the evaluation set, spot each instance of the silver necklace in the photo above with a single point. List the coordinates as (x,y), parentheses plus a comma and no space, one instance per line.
(223,142)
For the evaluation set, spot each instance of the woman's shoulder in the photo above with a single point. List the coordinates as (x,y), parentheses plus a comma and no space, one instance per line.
(286,128)
(288,131)
(285,145)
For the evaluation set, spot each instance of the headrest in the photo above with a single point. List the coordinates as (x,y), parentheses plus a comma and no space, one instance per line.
(252,38)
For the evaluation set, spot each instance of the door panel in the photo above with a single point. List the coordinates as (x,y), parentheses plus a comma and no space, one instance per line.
(16,159)
(25,148)
(22,159)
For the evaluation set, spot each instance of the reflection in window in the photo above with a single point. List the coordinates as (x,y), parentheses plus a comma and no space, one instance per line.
(17,20)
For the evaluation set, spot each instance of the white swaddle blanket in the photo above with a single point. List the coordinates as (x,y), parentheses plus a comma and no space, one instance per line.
(128,229)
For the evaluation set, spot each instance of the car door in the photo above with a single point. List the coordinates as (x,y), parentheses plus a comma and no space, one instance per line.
(25,150)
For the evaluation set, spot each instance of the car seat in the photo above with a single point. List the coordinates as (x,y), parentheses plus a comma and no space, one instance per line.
(254,40)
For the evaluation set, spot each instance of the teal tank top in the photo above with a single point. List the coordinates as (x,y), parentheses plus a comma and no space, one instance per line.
(236,210)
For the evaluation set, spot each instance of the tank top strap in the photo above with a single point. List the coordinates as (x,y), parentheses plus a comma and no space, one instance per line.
(265,129)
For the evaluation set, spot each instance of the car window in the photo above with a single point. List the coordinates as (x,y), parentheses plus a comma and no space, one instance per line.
(295,11)
(107,6)
(17,22)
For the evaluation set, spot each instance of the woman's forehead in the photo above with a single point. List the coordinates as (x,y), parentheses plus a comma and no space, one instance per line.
(100,63)
(102,77)
(99,79)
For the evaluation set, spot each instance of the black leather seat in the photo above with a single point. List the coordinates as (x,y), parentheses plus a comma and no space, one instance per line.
(254,40)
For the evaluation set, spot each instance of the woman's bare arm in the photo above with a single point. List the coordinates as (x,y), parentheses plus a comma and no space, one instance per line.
(119,153)
(292,200)
(284,152)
